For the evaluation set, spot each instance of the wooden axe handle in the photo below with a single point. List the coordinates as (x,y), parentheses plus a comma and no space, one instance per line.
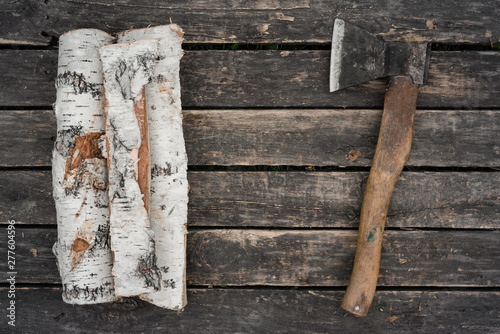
(393,148)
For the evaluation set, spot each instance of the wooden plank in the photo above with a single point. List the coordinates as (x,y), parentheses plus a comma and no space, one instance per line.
(26,197)
(228,79)
(263,311)
(294,199)
(27,137)
(287,137)
(296,21)
(332,200)
(327,137)
(249,257)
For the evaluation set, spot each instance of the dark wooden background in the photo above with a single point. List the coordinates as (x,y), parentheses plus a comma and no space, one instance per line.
(275,199)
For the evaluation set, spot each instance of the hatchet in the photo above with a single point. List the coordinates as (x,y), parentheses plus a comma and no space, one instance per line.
(358,56)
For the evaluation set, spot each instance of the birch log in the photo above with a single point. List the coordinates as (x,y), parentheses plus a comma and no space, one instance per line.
(79,171)
(169,186)
(127,68)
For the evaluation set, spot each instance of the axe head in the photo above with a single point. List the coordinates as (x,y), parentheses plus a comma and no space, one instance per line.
(359,56)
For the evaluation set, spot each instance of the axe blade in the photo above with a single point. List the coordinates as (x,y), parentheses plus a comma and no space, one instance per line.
(358,56)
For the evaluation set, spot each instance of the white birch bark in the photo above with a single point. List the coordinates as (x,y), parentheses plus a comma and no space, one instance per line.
(169,185)
(79,171)
(127,68)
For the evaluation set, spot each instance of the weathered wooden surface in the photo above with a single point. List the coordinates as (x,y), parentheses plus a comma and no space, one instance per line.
(449,138)
(467,200)
(264,311)
(27,137)
(249,257)
(280,252)
(228,79)
(298,21)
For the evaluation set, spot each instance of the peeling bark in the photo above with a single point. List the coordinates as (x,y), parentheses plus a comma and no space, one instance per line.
(79,171)
(127,68)
(143,169)
(169,186)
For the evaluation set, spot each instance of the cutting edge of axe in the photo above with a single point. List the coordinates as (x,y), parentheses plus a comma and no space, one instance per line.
(359,56)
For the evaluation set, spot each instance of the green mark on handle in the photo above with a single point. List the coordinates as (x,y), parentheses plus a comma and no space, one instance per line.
(373,232)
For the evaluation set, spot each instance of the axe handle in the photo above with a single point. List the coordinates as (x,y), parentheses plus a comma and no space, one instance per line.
(393,148)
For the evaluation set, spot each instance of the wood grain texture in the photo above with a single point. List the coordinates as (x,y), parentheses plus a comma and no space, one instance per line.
(294,199)
(302,258)
(392,151)
(226,79)
(264,311)
(297,21)
(27,136)
(443,138)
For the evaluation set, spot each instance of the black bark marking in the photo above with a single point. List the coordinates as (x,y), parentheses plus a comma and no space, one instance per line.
(159,78)
(145,61)
(169,283)
(76,292)
(123,80)
(101,239)
(79,83)
(65,140)
(125,73)
(167,170)
(147,268)
(118,175)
